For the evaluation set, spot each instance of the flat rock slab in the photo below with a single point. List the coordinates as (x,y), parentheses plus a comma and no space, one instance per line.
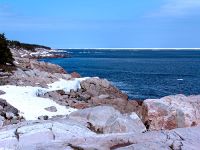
(63,134)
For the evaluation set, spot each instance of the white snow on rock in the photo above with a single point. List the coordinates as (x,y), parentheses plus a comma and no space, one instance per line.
(66,85)
(25,99)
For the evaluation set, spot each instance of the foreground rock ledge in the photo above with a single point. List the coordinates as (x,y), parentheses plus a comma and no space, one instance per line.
(62,134)
(89,129)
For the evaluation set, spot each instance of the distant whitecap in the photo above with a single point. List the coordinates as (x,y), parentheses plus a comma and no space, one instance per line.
(180,79)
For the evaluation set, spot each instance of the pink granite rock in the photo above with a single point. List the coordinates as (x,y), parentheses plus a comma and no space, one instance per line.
(75,75)
(171,112)
(47,67)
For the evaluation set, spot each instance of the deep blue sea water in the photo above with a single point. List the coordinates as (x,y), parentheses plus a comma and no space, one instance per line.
(141,74)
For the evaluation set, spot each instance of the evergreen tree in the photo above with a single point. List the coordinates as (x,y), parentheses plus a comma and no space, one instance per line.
(5,54)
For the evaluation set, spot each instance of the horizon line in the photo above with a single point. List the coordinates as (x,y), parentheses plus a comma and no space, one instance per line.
(136,48)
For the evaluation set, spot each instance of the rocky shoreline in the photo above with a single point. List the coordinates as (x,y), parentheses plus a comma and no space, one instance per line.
(95,114)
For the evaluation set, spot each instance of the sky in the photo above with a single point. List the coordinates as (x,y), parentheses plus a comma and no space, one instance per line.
(102,23)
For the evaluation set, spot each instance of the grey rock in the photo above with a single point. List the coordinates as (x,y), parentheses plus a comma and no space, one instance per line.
(51,109)
(40,92)
(2,92)
(14,121)
(1,108)
(124,123)
(106,119)
(81,99)
(146,146)
(2,113)
(86,96)
(36,133)
(53,95)
(43,117)
(61,92)
(10,108)
(73,94)
(3,102)
(96,116)
(2,119)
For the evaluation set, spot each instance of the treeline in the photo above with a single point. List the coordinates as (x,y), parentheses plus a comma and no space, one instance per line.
(31,47)
(5,54)
(5,45)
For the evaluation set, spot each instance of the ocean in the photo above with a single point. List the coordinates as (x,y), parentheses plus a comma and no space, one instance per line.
(142,74)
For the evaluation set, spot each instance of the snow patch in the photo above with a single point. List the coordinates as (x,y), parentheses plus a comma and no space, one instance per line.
(134,116)
(26,100)
(66,85)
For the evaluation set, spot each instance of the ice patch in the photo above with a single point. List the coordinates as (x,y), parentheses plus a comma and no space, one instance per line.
(180,79)
(57,51)
(85,52)
(26,100)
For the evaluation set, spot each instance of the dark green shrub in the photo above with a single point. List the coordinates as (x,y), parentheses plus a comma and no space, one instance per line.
(5,54)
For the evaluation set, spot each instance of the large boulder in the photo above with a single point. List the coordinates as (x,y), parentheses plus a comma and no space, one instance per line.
(96,117)
(101,92)
(97,87)
(124,124)
(106,119)
(171,112)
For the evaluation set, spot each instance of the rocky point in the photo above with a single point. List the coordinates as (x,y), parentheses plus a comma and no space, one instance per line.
(103,117)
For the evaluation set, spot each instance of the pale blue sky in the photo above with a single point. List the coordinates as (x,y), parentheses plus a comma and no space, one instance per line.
(102,23)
